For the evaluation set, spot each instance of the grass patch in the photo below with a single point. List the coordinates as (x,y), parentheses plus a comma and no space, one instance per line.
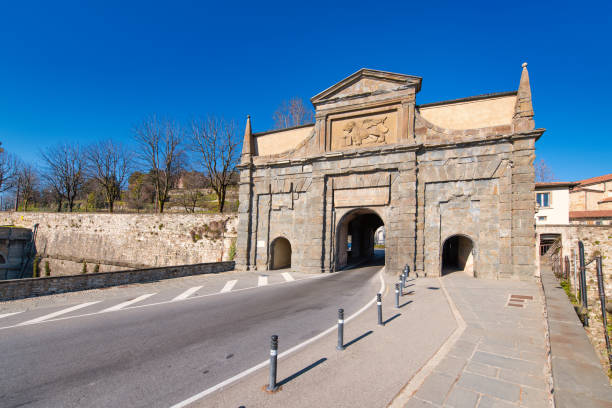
(232,250)
(565,284)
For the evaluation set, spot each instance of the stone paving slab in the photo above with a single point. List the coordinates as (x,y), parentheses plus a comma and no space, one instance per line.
(500,360)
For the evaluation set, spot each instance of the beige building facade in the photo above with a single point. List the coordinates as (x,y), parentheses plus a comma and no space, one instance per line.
(591,201)
(452,182)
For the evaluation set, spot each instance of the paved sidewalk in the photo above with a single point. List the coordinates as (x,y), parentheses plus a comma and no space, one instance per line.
(500,359)
(484,353)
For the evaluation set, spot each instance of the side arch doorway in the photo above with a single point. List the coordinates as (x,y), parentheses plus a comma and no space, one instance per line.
(280,253)
(458,255)
(359,238)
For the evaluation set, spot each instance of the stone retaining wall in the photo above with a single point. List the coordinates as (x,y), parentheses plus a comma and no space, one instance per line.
(578,379)
(126,241)
(24,288)
(597,240)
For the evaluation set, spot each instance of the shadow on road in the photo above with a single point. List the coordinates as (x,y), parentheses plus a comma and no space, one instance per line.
(405,303)
(302,371)
(395,316)
(356,339)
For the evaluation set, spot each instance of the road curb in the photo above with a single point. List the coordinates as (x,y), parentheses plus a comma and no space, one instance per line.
(402,398)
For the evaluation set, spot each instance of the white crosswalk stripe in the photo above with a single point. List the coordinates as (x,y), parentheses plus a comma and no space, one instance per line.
(187,293)
(58,313)
(128,303)
(9,314)
(262,281)
(229,285)
(287,276)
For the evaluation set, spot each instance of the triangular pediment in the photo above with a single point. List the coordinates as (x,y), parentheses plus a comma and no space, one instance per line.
(367,82)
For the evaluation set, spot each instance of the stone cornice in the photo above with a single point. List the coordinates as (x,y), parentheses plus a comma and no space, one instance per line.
(408,81)
(391,149)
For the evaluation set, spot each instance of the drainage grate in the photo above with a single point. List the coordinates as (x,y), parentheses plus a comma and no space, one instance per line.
(518,300)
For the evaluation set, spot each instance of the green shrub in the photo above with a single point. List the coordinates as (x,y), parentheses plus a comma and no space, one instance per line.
(232,250)
(84,270)
(47,269)
(97,268)
(36,267)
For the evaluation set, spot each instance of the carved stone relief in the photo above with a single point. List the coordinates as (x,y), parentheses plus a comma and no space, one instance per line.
(363,131)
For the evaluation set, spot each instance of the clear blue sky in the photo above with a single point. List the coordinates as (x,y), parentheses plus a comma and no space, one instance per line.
(88,70)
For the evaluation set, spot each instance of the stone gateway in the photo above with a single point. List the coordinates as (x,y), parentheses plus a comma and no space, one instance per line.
(451,182)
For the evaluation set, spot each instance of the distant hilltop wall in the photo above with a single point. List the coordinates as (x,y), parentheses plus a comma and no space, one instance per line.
(126,241)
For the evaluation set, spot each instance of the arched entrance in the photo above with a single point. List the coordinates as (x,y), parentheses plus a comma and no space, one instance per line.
(356,238)
(280,253)
(457,255)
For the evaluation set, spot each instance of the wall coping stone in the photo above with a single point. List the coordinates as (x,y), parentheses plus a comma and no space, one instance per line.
(578,378)
(30,287)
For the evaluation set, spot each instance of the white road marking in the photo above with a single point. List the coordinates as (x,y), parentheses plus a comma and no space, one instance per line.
(129,302)
(9,314)
(262,281)
(187,293)
(287,276)
(318,276)
(229,285)
(246,372)
(58,313)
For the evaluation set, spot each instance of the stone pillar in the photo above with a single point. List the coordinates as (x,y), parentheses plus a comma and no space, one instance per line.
(315,239)
(243,240)
(523,208)
(400,242)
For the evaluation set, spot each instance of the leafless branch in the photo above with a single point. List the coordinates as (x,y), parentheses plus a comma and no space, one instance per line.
(215,141)
(65,171)
(8,171)
(292,113)
(27,183)
(108,163)
(161,149)
(543,173)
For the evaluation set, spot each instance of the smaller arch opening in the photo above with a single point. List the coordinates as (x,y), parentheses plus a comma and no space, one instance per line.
(457,255)
(281,253)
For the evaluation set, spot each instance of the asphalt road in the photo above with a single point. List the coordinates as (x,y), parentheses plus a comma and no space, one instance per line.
(160,355)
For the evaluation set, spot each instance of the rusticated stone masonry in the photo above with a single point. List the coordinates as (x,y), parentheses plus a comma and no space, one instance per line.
(374,158)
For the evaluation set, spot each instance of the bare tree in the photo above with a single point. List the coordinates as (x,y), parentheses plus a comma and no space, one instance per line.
(27,183)
(292,113)
(8,171)
(215,140)
(161,149)
(65,171)
(108,164)
(192,184)
(543,173)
